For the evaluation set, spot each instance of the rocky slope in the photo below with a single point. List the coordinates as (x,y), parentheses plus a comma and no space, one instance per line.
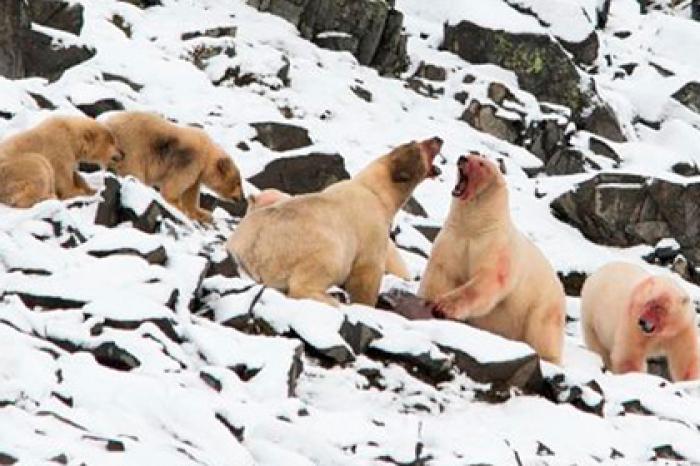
(128,336)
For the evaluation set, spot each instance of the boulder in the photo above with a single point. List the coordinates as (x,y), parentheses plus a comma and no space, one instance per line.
(58,14)
(302,174)
(281,136)
(14,24)
(565,162)
(689,96)
(695,9)
(625,210)
(369,29)
(99,107)
(541,64)
(42,58)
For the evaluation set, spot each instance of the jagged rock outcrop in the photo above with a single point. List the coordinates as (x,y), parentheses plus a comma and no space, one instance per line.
(25,52)
(542,66)
(626,210)
(369,29)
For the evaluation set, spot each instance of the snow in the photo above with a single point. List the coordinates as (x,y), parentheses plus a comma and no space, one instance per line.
(199,374)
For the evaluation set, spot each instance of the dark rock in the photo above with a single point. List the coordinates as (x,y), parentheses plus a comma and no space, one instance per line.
(57,14)
(237,432)
(565,162)
(167,326)
(413,207)
(626,210)
(338,41)
(226,268)
(666,452)
(544,450)
(14,24)
(423,366)
(281,136)
(540,64)
(143,3)
(362,93)
(685,169)
(390,57)
(661,70)
(115,77)
(121,24)
(157,256)
(603,122)
(7,459)
(499,93)
(108,210)
(100,106)
(629,67)
(600,147)
(622,34)
(45,302)
(429,232)
(695,10)
(60,459)
(572,282)
(210,380)
(201,53)
(358,335)
(42,59)
(484,118)
(222,31)
(426,89)
(523,373)
(689,96)
(635,407)
(431,72)
(42,102)
(295,370)
(602,14)
(544,138)
(234,208)
(405,304)
(462,97)
(558,390)
(109,354)
(244,372)
(585,51)
(25,52)
(371,30)
(302,174)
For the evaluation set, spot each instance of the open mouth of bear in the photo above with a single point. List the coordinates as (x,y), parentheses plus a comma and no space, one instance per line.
(647,326)
(462,179)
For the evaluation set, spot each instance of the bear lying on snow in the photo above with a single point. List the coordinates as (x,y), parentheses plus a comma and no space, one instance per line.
(338,236)
(174,158)
(41,163)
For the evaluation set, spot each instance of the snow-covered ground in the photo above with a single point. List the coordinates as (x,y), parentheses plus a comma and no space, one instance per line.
(138,362)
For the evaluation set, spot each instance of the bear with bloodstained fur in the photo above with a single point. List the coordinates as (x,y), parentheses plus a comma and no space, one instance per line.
(26,180)
(339,236)
(394,263)
(63,141)
(484,271)
(174,158)
(628,314)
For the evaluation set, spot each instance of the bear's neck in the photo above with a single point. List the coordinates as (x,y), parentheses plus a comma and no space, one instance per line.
(377,179)
(486,213)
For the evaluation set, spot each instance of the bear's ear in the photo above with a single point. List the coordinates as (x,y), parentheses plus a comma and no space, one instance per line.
(406,164)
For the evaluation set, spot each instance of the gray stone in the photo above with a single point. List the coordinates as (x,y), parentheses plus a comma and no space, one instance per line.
(689,96)
(565,162)
(302,174)
(281,136)
(57,14)
(372,28)
(100,106)
(625,210)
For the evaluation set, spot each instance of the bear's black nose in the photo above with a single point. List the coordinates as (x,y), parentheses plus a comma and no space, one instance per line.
(437,140)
